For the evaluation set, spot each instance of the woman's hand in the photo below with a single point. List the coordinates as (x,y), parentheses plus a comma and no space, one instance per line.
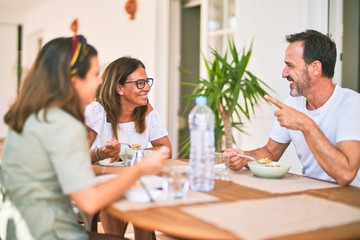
(111,150)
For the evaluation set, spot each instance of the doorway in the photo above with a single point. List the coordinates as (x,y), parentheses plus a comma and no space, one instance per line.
(189,67)
(351,45)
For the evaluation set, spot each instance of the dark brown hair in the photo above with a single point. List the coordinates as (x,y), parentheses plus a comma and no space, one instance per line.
(317,46)
(116,73)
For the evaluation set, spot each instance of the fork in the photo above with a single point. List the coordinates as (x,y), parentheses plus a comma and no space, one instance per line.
(246,156)
(146,190)
(126,144)
(253,159)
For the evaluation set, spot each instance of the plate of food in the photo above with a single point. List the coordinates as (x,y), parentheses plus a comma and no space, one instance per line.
(268,170)
(106,162)
(264,160)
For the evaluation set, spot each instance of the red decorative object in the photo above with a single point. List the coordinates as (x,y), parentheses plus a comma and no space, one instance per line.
(130,8)
(74,26)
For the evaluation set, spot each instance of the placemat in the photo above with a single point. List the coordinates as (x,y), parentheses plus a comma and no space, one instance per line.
(274,217)
(192,197)
(288,184)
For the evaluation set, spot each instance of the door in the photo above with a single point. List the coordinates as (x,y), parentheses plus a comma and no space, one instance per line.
(189,63)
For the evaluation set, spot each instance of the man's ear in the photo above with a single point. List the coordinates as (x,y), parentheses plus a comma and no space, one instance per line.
(316,68)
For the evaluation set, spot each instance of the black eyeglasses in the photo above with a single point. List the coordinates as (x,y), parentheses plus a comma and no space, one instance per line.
(140,84)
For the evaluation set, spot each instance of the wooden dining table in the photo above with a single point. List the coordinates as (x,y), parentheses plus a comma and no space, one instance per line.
(174,221)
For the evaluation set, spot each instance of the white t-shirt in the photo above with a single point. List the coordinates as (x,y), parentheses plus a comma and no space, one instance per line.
(95,118)
(338,119)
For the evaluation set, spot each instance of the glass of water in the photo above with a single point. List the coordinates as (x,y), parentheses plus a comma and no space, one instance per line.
(177,182)
(221,168)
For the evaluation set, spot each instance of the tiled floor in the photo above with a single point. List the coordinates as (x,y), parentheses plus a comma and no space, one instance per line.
(130,234)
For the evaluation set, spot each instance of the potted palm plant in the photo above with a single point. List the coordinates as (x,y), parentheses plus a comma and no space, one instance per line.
(232,92)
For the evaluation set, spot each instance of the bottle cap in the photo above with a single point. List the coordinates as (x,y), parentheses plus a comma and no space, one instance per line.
(201,100)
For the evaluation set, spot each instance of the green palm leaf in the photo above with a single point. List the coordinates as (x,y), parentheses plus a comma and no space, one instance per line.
(231,85)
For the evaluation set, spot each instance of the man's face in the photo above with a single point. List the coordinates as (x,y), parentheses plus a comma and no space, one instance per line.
(296,70)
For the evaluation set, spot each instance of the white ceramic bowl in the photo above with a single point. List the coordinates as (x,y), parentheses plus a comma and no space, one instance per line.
(268,170)
(131,152)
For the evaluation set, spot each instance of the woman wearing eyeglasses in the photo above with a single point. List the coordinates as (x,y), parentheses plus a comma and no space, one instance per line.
(122,114)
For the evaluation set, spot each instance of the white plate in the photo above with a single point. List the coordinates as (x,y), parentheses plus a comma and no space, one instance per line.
(138,195)
(152,181)
(106,162)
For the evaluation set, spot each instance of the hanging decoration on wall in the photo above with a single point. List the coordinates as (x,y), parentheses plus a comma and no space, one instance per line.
(130,8)
(74,26)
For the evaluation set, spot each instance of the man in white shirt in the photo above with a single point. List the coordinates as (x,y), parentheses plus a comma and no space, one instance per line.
(320,118)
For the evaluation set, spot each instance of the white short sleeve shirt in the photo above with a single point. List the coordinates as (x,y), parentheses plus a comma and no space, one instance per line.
(338,119)
(95,118)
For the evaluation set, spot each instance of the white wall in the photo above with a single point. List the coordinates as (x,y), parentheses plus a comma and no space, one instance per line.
(10,16)
(107,27)
(8,63)
(268,22)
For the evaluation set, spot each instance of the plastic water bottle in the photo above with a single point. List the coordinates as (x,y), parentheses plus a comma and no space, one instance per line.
(202,146)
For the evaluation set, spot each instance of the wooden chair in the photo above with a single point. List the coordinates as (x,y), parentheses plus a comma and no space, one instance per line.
(101,236)
(91,225)
(90,221)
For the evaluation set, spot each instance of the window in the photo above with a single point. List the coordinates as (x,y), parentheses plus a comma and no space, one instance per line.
(221,24)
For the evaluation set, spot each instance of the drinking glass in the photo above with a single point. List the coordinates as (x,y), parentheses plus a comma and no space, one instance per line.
(177,182)
(133,156)
(221,168)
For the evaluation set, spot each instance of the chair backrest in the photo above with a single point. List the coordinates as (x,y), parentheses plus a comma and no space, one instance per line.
(12,225)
